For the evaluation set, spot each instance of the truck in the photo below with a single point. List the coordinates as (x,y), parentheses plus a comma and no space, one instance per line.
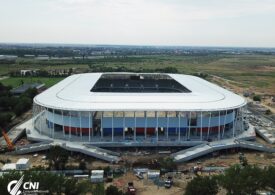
(131,189)
(168,182)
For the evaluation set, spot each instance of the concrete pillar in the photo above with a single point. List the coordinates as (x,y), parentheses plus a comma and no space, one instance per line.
(189,125)
(53,124)
(70,132)
(123,126)
(101,125)
(145,129)
(201,126)
(242,118)
(234,119)
(80,124)
(89,126)
(112,126)
(209,123)
(63,123)
(135,129)
(33,116)
(167,125)
(40,119)
(157,130)
(224,123)
(219,133)
(179,126)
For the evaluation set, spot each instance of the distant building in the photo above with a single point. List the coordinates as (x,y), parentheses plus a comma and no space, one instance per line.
(29,56)
(27,72)
(23,88)
(42,57)
(8,57)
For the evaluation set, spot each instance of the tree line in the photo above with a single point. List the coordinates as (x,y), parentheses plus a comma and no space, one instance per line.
(236,180)
(14,105)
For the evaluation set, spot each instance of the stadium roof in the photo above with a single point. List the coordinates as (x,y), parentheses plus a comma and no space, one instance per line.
(75,93)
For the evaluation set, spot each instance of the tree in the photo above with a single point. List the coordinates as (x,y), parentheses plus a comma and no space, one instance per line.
(23,105)
(257,98)
(113,190)
(5,118)
(269,178)
(168,164)
(31,93)
(239,180)
(268,112)
(82,165)
(202,186)
(98,189)
(57,157)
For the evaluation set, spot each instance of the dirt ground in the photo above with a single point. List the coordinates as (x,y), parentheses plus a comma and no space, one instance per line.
(233,86)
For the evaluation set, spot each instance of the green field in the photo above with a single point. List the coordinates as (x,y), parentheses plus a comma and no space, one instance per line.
(17,81)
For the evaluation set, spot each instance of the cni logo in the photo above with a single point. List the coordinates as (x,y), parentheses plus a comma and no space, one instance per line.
(14,186)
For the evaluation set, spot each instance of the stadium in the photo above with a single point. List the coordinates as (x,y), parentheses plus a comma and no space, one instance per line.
(143,109)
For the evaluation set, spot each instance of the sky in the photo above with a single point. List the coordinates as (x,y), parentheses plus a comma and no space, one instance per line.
(243,23)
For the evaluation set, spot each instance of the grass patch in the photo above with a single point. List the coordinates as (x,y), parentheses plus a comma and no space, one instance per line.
(17,81)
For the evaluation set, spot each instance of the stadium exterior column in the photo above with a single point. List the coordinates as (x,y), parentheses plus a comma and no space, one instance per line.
(63,123)
(123,125)
(157,129)
(179,126)
(89,126)
(234,118)
(70,132)
(135,129)
(101,126)
(40,118)
(92,123)
(242,118)
(112,126)
(219,133)
(167,125)
(33,116)
(189,125)
(209,123)
(224,123)
(53,124)
(145,129)
(80,124)
(201,126)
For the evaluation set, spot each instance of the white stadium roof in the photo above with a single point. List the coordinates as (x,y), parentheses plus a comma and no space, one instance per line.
(74,93)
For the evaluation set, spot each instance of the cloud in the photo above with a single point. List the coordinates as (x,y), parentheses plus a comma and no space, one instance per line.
(173,9)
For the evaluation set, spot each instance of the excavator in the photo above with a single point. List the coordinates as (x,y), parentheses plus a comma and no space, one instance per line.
(10,145)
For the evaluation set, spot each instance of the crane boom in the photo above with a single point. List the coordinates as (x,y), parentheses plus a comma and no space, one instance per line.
(8,141)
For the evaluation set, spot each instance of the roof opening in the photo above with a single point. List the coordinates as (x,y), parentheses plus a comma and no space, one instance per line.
(138,83)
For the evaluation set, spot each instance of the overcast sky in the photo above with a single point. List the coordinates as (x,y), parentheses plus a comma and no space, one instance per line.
(140,22)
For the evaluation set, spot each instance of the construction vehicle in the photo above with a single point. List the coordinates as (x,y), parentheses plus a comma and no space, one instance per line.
(8,141)
(168,182)
(131,189)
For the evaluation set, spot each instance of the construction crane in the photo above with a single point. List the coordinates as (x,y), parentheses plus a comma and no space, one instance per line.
(8,141)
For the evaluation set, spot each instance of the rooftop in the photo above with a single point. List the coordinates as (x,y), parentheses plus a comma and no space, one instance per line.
(22,161)
(23,88)
(191,94)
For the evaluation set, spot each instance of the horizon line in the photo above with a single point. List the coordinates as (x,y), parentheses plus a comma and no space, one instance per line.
(134,45)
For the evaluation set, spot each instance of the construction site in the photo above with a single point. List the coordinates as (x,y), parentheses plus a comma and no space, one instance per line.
(144,170)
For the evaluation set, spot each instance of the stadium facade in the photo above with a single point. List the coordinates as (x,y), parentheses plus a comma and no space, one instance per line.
(138,107)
